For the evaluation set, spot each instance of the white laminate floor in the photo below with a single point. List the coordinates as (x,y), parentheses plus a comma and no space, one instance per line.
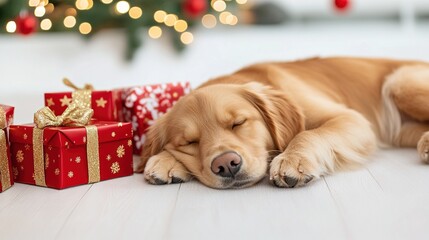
(388,199)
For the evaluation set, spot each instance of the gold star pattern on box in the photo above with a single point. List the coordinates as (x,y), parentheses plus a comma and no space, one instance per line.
(108,158)
(57,171)
(78,159)
(101,102)
(65,101)
(130,143)
(50,102)
(120,151)
(70,174)
(15,172)
(115,167)
(20,156)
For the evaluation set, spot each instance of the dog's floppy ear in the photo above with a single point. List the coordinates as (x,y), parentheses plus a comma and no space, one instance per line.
(283,118)
(154,143)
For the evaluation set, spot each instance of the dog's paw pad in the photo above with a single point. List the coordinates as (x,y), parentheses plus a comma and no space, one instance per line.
(157,181)
(160,178)
(290,182)
(177,180)
(165,170)
(290,172)
(308,179)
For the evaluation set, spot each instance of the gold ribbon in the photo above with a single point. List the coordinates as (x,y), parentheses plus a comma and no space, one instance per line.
(3,120)
(92,154)
(39,164)
(4,161)
(73,116)
(81,96)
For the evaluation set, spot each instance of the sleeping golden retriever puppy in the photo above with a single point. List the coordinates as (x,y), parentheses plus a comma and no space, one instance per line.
(295,120)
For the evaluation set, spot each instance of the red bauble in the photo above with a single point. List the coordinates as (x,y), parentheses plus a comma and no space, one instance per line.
(26,24)
(195,8)
(341,4)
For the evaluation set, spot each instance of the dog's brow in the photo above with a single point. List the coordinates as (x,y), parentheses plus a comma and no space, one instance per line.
(190,132)
(234,115)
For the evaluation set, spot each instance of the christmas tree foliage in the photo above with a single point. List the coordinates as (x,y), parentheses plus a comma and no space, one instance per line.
(159,17)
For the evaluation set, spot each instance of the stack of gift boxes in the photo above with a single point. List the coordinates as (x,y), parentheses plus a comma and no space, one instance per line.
(82,137)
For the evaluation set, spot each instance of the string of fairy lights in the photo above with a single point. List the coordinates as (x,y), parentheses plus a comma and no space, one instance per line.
(43,8)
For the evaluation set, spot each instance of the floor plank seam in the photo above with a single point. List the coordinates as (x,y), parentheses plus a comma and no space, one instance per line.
(13,200)
(170,218)
(340,211)
(375,179)
(71,212)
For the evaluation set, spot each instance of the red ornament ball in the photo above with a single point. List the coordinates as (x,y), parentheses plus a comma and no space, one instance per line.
(26,24)
(195,8)
(341,4)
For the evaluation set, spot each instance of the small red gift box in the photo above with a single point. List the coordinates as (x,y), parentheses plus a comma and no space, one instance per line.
(107,105)
(6,119)
(144,104)
(71,155)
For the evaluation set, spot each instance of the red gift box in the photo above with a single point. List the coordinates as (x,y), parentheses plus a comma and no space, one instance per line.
(107,105)
(6,119)
(66,161)
(144,104)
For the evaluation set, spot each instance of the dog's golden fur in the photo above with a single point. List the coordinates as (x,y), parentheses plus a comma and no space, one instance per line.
(297,120)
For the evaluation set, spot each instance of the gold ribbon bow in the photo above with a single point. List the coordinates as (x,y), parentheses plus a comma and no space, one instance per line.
(81,96)
(73,116)
(68,83)
(4,161)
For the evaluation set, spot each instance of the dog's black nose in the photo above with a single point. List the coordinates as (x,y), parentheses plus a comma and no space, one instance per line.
(227,164)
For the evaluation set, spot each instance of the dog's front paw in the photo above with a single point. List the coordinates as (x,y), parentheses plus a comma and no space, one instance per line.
(293,170)
(423,148)
(165,169)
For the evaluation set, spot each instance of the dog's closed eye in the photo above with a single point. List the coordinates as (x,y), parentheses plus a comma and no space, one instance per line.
(187,143)
(238,123)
